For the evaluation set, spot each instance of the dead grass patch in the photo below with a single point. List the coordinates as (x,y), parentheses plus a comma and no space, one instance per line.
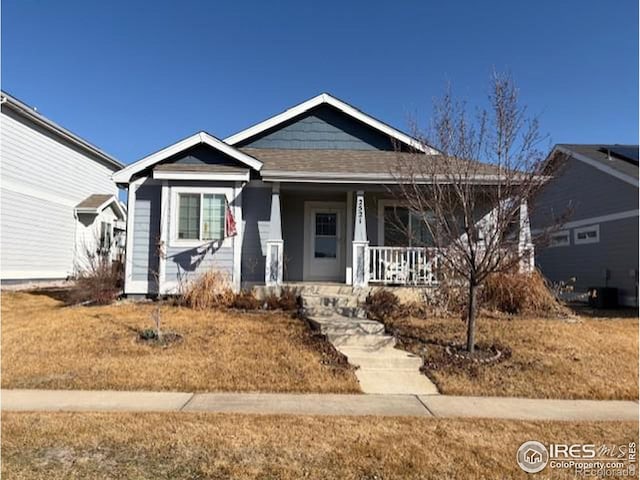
(47,345)
(163,446)
(581,358)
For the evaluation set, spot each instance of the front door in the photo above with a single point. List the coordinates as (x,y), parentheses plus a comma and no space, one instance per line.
(324,241)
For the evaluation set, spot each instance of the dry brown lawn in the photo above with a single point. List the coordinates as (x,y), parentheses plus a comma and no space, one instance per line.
(48,345)
(585,358)
(168,446)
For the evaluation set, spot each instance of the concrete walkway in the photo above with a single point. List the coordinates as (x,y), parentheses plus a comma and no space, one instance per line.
(382,369)
(441,406)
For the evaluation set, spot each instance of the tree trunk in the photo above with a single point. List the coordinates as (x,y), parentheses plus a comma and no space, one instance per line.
(471,317)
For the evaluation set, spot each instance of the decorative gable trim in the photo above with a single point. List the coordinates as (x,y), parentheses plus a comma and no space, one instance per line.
(325,98)
(125,175)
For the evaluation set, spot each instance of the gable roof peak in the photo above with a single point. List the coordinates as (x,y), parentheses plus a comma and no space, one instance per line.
(344,107)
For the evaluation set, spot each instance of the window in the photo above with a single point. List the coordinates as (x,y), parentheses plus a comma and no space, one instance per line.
(560,239)
(105,237)
(201,216)
(405,229)
(584,235)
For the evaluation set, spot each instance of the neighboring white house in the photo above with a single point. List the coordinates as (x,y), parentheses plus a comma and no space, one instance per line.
(56,192)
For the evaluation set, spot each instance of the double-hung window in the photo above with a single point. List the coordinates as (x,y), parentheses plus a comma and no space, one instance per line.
(201,216)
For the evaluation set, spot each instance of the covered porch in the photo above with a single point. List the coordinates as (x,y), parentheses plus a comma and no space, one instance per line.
(344,234)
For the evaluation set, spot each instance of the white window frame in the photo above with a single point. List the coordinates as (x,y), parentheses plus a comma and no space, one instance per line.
(585,241)
(563,244)
(174,241)
(382,204)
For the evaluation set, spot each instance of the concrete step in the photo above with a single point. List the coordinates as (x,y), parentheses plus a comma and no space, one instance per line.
(345,326)
(380,381)
(335,301)
(327,289)
(349,312)
(372,341)
(385,358)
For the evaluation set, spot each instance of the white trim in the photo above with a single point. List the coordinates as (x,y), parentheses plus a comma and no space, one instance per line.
(238,239)
(585,241)
(173,224)
(27,112)
(219,176)
(124,175)
(595,164)
(342,243)
(349,239)
(559,233)
(128,254)
(325,98)
(601,219)
(162,260)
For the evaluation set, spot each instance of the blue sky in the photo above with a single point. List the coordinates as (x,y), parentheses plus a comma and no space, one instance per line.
(133,76)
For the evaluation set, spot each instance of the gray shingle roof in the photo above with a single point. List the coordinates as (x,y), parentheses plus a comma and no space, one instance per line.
(200,167)
(597,152)
(342,161)
(94,201)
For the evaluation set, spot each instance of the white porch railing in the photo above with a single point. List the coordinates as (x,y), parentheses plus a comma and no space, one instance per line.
(403,265)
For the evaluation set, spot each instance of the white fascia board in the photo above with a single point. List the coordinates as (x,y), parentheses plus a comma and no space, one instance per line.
(340,105)
(595,164)
(220,176)
(124,175)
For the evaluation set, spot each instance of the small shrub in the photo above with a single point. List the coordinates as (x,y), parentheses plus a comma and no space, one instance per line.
(520,293)
(148,334)
(286,301)
(100,284)
(246,300)
(210,290)
(272,302)
(382,305)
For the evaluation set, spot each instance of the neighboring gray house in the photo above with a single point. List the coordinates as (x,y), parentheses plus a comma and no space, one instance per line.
(598,245)
(305,192)
(58,199)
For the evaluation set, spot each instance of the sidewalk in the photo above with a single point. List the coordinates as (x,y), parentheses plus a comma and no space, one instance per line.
(441,406)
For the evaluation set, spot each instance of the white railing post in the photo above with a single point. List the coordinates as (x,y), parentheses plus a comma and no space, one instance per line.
(275,244)
(360,245)
(525,246)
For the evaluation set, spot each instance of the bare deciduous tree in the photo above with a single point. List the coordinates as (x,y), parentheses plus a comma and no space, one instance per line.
(472,197)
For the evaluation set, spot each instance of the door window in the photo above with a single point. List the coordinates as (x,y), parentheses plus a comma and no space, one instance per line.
(326,240)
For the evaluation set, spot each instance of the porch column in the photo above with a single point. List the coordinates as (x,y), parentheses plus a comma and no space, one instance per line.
(525,246)
(360,245)
(275,243)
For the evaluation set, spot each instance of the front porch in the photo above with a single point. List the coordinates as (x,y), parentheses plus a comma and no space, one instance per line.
(342,234)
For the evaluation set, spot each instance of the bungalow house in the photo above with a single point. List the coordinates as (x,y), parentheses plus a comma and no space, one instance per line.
(299,197)
(598,244)
(59,203)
